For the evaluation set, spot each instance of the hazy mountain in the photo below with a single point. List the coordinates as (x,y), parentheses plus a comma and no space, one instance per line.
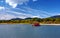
(56,16)
(16,19)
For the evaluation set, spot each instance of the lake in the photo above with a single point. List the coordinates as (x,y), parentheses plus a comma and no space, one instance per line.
(28,31)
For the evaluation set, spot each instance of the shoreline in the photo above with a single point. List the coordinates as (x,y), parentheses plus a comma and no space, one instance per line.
(50,24)
(28,23)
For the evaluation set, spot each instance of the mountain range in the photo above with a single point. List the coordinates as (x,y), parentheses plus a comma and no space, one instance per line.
(56,16)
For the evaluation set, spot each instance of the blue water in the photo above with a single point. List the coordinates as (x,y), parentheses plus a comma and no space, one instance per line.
(28,31)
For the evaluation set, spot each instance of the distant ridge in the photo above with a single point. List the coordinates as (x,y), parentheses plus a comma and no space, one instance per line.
(16,19)
(56,16)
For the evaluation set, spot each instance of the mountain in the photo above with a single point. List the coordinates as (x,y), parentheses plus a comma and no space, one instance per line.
(56,16)
(28,18)
(16,19)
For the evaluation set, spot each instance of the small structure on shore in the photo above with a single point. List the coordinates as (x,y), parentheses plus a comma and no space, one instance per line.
(36,23)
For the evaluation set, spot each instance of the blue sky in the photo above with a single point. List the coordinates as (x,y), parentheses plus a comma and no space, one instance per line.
(28,8)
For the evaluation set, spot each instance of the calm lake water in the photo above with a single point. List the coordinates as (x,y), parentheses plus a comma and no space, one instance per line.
(28,31)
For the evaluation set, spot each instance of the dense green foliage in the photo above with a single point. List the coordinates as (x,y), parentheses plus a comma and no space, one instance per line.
(30,20)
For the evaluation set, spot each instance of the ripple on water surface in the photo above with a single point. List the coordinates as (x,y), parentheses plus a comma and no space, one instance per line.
(28,31)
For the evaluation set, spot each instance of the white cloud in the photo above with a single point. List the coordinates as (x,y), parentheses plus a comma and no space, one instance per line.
(35,16)
(38,13)
(30,13)
(57,14)
(9,14)
(14,3)
(1,8)
(6,16)
(20,14)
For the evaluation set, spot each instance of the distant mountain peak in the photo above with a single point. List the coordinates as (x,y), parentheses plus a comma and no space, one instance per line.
(16,19)
(56,16)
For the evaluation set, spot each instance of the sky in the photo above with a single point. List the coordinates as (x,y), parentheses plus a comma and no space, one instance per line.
(28,8)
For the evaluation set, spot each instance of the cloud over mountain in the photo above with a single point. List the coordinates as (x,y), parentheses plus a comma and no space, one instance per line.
(21,12)
(6,16)
(9,13)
